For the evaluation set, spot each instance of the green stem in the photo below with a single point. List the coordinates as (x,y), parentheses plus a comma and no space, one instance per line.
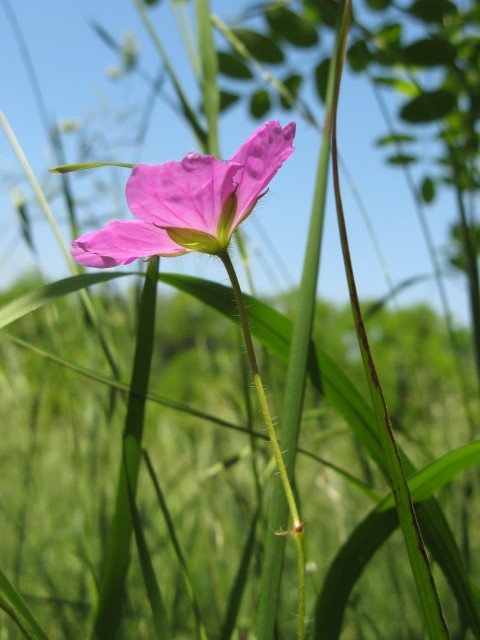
(297,526)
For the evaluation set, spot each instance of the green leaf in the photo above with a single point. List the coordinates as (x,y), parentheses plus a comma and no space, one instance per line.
(347,567)
(292,84)
(403,87)
(429,11)
(379,5)
(428,52)
(321,78)
(428,106)
(23,305)
(387,42)
(14,606)
(427,190)
(394,138)
(389,36)
(358,56)
(83,166)
(402,159)
(233,66)
(423,484)
(261,47)
(260,103)
(359,549)
(323,12)
(227,99)
(291,26)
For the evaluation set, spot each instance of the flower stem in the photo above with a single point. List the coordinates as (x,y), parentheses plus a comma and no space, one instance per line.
(297,526)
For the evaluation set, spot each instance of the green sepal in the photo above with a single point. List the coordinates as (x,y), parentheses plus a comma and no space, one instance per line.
(225,221)
(195,240)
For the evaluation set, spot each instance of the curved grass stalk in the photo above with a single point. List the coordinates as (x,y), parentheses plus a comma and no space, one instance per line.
(432,610)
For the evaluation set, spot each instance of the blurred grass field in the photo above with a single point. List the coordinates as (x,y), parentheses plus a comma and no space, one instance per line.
(61,446)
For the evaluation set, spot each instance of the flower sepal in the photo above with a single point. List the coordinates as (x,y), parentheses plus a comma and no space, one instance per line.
(226,219)
(194,240)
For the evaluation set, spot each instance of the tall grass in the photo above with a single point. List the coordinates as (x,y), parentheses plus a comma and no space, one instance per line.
(139,498)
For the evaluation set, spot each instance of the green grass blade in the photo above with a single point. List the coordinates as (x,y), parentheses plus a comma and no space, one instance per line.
(295,383)
(367,538)
(112,586)
(424,483)
(14,606)
(209,66)
(346,568)
(200,627)
(84,166)
(446,553)
(427,593)
(154,593)
(240,582)
(37,298)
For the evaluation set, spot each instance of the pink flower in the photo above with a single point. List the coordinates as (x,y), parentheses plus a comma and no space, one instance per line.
(192,205)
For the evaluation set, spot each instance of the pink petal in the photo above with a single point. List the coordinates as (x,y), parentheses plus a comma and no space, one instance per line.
(261,155)
(122,242)
(187,194)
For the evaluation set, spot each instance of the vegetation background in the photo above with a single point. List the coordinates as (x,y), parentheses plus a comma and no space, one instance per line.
(200,516)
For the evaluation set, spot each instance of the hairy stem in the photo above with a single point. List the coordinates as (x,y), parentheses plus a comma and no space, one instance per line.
(297,526)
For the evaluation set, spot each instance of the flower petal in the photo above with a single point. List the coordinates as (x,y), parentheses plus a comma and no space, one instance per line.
(261,155)
(122,242)
(187,194)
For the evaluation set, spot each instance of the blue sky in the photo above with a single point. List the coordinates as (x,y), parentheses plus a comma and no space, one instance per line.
(71,64)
